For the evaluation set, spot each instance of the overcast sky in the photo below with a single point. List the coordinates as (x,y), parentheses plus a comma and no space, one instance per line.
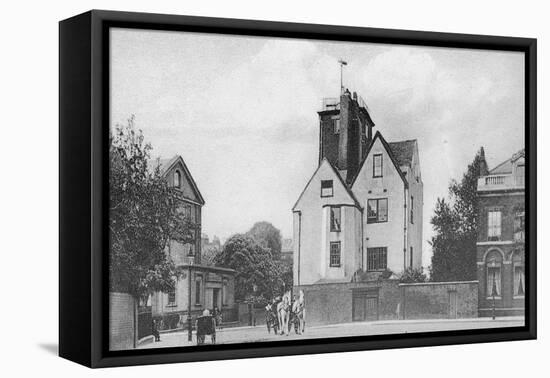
(242,112)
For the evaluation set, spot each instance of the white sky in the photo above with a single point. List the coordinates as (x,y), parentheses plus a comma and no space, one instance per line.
(242,112)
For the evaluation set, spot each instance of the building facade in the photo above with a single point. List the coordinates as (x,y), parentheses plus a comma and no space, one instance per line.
(201,287)
(501,237)
(362,208)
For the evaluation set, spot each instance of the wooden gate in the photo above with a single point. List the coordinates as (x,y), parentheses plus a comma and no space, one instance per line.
(364,305)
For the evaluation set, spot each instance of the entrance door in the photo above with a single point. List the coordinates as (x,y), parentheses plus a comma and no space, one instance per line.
(452,305)
(215,298)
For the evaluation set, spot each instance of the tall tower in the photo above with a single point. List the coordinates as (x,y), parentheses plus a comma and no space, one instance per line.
(345,132)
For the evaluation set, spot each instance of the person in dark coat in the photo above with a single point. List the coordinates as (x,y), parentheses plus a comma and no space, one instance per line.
(156,332)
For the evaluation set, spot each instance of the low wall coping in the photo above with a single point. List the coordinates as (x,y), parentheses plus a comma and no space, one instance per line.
(438,283)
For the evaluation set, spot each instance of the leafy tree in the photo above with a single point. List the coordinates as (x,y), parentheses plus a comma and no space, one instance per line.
(258,276)
(456,223)
(412,275)
(268,236)
(144,215)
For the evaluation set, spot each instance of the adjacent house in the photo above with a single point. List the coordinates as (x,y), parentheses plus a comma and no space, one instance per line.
(501,238)
(202,287)
(362,208)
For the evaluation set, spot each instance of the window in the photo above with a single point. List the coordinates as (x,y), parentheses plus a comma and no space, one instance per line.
(519,275)
(377,258)
(334,254)
(198,282)
(172,297)
(177,179)
(493,281)
(377,165)
(191,250)
(520,174)
(377,210)
(494,225)
(493,262)
(336,125)
(335,217)
(412,209)
(411,257)
(519,226)
(326,188)
(519,281)
(224,293)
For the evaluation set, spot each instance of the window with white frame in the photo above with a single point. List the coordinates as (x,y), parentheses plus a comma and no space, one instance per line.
(377,210)
(326,188)
(494,270)
(335,218)
(377,258)
(335,254)
(172,297)
(519,225)
(377,165)
(494,226)
(519,275)
(177,179)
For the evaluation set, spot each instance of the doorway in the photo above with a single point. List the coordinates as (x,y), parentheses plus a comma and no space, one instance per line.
(364,305)
(216,298)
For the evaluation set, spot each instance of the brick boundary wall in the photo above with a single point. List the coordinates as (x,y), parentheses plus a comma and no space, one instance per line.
(439,300)
(121,321)
(333,303)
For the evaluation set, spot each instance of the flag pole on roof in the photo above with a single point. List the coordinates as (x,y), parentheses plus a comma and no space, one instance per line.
(342,64)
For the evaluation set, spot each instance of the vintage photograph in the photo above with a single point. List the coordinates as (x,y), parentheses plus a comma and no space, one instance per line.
(266,189)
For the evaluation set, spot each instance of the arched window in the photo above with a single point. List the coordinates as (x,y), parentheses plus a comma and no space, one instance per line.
(493,262)
(518,274)
(177,179)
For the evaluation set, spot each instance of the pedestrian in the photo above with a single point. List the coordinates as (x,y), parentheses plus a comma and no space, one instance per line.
(156,332)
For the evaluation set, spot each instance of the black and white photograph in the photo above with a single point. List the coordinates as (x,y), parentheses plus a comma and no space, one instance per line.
(265,189)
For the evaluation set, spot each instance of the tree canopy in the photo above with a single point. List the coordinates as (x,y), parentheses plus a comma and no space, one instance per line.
(258,276)
(144,214)
(268,236)
(455,223)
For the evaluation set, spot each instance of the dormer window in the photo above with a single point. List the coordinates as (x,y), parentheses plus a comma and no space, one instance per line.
(177,179)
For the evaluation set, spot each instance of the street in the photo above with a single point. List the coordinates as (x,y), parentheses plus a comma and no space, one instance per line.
(259,333)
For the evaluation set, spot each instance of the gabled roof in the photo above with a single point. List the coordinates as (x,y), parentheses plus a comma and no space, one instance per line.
(403,151)
(165,165)
(390,153)
(335,171)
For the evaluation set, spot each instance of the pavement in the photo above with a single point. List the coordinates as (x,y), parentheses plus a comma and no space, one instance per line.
(260,334)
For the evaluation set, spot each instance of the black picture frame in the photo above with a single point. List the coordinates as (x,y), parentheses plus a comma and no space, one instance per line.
(83,164)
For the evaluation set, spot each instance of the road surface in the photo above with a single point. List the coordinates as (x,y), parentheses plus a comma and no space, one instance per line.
(259,333)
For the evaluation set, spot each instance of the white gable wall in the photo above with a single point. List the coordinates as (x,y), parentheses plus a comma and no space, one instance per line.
(312,235)
(416,190)
(388,234)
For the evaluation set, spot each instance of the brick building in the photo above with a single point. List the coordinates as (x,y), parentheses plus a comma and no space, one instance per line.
(202,287)
(500,242)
